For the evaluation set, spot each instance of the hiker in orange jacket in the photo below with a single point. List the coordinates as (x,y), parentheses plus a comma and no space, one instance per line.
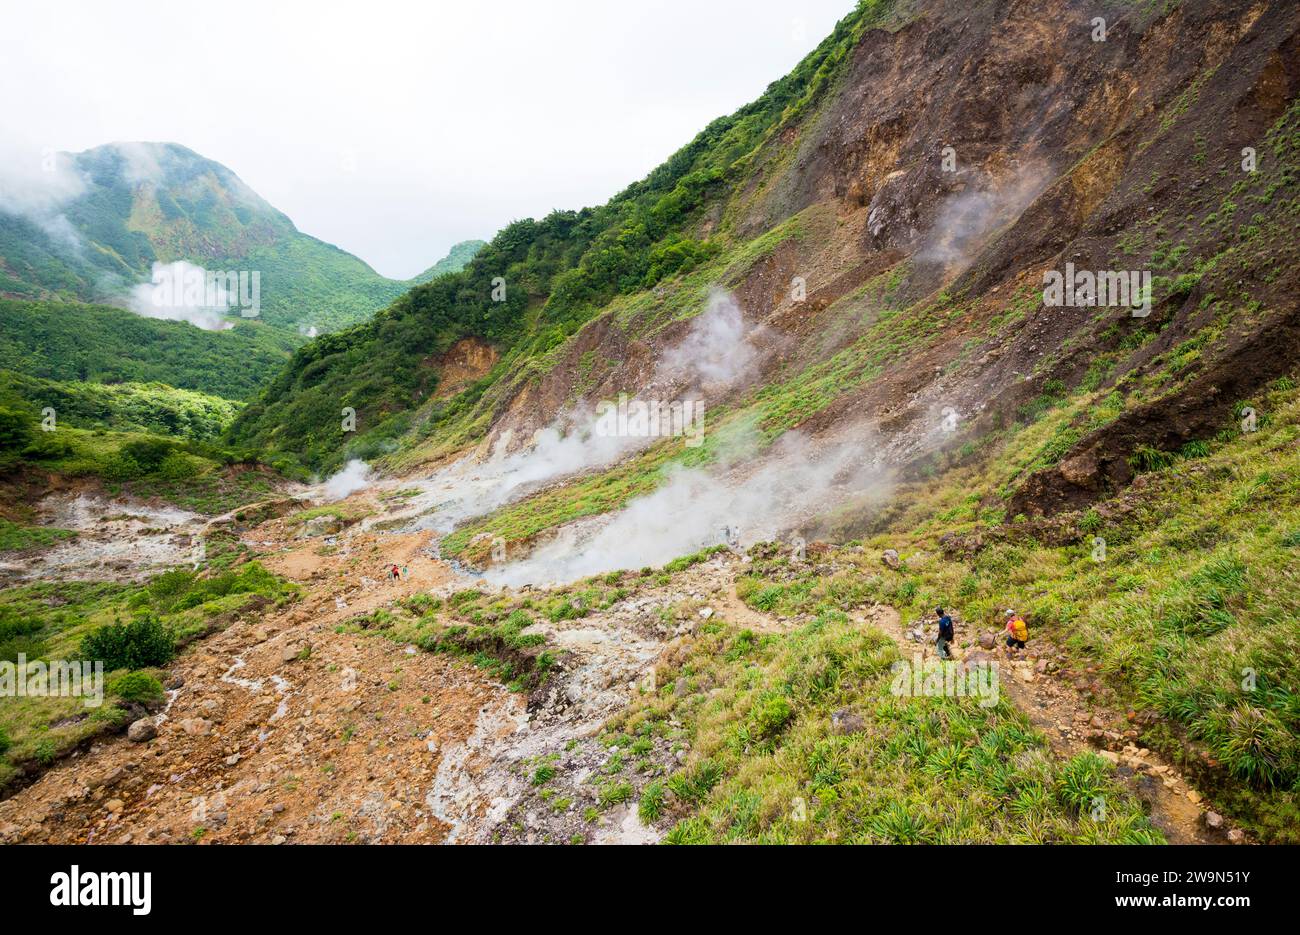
(1017,632)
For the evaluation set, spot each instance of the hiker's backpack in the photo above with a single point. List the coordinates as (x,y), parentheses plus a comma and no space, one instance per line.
(1019,630)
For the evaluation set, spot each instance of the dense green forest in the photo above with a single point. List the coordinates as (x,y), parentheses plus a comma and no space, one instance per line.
(457,259)
(135,407)
(100,344)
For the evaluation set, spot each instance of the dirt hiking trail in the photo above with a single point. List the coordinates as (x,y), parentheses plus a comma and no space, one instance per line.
(1071,727)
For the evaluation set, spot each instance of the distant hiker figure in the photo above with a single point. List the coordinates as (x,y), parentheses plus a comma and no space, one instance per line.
(404,574)
(396,574)
(1017,632)
(731,536)
(946,635)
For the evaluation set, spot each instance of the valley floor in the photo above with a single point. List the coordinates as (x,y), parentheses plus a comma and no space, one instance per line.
(726,696)
(324,721)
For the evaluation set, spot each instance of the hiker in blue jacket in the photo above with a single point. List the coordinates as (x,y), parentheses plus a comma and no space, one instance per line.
(946,634)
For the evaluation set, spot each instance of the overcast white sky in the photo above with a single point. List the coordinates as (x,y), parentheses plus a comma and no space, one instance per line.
(396,129)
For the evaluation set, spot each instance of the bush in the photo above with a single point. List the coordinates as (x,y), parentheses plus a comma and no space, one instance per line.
(148,453)
(177,466)
(137,686)
(119,467)
(18,635)
(770,714)
(15,429)
(1082,782)
(140,644)
(4,740)
(48,446)
(1145,459)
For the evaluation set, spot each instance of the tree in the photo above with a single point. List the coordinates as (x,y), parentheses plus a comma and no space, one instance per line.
(16,429)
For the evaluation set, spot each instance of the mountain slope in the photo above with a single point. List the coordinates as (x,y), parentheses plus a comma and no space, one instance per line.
(730,641)
(837,176)
(888,219)
(457,259)
(124,206)
(558,272)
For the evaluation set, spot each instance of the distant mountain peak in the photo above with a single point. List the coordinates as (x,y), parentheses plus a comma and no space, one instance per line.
(457,259)
(120,208)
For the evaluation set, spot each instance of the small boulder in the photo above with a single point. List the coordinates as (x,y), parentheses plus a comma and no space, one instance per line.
(988,640)
(1081,470)
(320,526)
(845,721)
(1213,820)
(142,730)
(891,559)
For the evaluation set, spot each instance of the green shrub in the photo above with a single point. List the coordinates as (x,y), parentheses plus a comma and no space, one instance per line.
(1083,782)
(137,686)
(616,794)
(766,599)
(565,610)
(692,785)
(18,635)
(148,453)
(651,806)
(1145,459)
(770,714)
(119,468)
(15,429)
(48,446)
(140,644)
(177,466)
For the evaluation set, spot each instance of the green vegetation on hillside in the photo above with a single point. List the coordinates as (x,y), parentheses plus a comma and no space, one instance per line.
(100,344)
(129,626)
(1189,612)
(767,764)
(186,207)
(159,202)
(557,273)
(191,473)
(15,537)
(136,407)
(457,259)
